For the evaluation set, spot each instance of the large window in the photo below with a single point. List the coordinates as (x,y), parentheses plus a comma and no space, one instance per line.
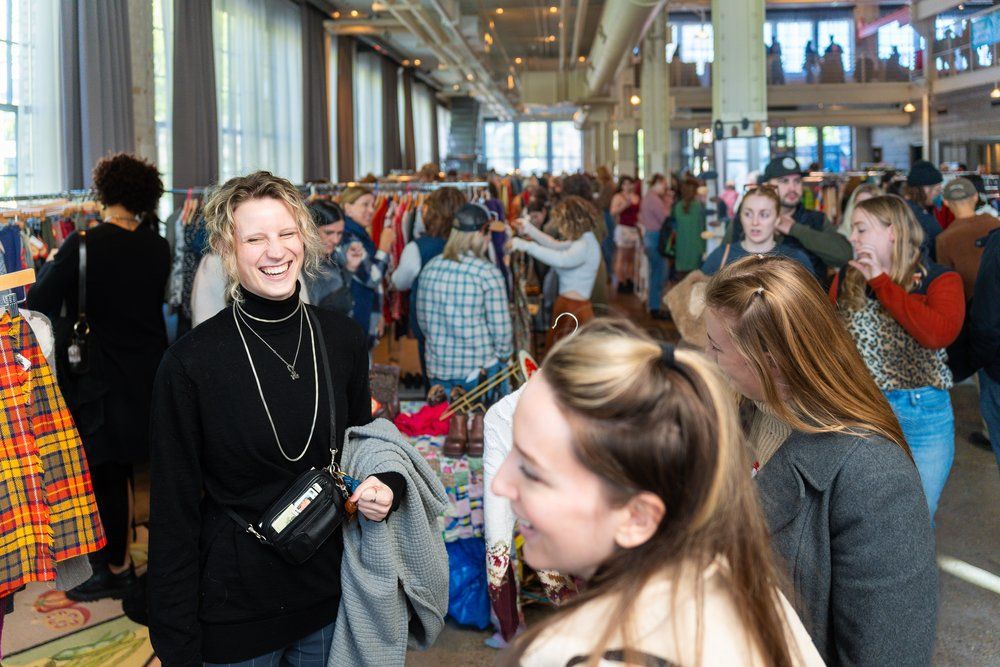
(368,114)
(567,148)
(533,147)
(258,68)
(837,151)
(842,33)
(31,147)
(806,145)
(444,130)
(696,44)
(532,139)
(499,142)
(792,38)
(163,95)
(897,40)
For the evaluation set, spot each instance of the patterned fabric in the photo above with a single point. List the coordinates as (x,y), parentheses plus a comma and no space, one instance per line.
(895,359)
(463,480)
(47,507)
(463,311)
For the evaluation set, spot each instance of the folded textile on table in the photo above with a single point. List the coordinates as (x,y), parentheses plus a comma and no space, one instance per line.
(425,421)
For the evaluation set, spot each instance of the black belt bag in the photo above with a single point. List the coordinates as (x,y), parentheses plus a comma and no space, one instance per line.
(308,512)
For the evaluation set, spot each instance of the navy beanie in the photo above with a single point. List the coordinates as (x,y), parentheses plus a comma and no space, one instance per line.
(923,173)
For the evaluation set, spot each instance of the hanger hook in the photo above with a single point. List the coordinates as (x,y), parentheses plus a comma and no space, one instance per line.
(562,315)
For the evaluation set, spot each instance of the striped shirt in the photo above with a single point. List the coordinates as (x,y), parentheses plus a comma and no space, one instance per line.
(463,311)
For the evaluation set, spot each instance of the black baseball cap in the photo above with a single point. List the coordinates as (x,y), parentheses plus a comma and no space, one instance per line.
(781,166)
(470,218)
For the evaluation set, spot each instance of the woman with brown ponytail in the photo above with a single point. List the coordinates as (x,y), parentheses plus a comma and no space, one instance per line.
(628,470)
(838,485)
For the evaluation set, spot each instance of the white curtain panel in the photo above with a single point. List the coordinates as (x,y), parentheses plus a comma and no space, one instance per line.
(258,64)
(37,97)
(423,119)
(444,130)
(367,114)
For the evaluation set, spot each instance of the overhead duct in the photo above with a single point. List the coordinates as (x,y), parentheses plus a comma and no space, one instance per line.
(622,25)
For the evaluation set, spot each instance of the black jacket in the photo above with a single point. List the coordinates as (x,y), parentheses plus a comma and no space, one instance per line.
(984,316)
(126,279)
(848,518)
(930,226)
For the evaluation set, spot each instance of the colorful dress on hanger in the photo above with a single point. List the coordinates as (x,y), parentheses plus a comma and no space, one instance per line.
(47,509)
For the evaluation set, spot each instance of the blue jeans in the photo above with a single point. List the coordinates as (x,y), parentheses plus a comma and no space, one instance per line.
(608,247)
(989,406)
(928,424)
(657,265)
(311,651)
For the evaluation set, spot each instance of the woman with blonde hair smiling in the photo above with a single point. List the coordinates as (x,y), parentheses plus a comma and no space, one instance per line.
(903,311)
(628,470)
(835,477)
(243,405)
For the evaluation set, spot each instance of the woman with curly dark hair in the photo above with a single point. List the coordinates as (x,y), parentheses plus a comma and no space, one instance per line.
(127,264)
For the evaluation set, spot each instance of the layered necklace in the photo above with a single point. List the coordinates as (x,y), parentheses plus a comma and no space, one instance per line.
(239,314)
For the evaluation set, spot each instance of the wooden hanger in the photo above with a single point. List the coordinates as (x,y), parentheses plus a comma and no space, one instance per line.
(17,279)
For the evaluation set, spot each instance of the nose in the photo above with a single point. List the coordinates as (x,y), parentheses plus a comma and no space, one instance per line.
(502,484)
(274,249)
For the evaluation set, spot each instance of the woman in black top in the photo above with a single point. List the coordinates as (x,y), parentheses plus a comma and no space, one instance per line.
(126,274)
(240,410)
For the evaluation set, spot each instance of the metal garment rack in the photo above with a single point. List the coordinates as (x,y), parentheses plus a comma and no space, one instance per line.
(65,194)
(381,186)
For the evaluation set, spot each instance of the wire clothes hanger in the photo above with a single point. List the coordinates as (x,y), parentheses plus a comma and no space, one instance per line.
(555,324)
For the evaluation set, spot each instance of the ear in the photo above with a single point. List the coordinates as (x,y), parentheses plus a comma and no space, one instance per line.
(642,516)
(892,234)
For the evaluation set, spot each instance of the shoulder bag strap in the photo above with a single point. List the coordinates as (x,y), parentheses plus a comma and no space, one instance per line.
(321,343)
(725,255)
(81,306)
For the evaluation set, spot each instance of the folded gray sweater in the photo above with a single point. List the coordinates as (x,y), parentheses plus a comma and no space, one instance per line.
(394,574)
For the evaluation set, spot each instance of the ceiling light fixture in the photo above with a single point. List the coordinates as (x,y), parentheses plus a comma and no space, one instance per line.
(553,10)
(336,15)
(909,108)
(635,100)
(510,82)
(416,63)
(470,78)
(499,11)
(406,63)
(518,61)
(551,38)
(582,59)
(355,13)
(995,93)
(456,87)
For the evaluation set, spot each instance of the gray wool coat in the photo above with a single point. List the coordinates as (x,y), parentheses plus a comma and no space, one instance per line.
(394,575)
(848,517)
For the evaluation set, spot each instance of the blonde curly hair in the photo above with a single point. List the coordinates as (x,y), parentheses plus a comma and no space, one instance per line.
(221,226)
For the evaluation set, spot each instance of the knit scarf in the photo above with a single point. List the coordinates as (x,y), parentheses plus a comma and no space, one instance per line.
(767,433)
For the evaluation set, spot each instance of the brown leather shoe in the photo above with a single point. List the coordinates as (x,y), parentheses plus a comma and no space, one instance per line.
(476,440)
(457,440)
(436,395)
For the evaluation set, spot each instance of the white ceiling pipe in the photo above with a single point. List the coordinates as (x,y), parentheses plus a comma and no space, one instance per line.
(622,25)
(563,15)
(581,19)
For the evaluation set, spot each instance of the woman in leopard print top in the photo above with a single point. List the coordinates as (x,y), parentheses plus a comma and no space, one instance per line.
(903,311)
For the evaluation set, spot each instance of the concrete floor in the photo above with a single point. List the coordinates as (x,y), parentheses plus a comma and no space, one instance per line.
(968,528)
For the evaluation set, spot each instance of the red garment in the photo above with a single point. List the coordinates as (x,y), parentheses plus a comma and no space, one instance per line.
(378,221)
(425,421)
(934,319)
(944,217)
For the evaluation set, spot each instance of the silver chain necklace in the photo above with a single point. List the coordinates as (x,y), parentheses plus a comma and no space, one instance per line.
(283,319)
(290,366)
(260,390)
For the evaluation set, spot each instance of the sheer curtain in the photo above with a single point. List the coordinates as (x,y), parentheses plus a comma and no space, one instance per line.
(331,72)
(163,97)
(423,118)
(36,97)
(258,65)
(368,114)
(444,130)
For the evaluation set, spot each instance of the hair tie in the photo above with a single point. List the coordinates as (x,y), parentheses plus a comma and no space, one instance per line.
(667,355)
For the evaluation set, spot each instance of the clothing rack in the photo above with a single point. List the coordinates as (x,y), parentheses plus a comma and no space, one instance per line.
(65,194)
(380,186)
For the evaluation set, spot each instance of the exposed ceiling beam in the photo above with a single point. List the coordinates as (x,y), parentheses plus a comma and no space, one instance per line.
(581,18)
(563,18)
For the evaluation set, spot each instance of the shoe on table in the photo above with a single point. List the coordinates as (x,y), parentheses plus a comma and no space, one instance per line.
(456,443)
(477,434)
(104,584)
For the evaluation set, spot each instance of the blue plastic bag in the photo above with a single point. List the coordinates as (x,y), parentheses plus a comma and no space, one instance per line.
(468,597)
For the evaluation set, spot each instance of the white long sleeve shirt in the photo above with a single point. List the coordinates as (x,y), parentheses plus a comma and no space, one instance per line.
(575,262)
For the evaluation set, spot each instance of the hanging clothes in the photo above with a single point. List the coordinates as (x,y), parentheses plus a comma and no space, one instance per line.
(45,490)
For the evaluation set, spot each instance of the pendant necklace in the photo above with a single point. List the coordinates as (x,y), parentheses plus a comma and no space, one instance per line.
(290,366)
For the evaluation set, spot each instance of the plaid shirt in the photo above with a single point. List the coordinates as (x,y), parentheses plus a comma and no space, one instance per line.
(462,310)
(47,508)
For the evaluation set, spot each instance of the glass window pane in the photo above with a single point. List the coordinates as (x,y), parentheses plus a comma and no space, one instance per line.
(792,38)
(499,142)
(567,148)
(842,34)
(895,41)
(806,145)
(837,153)
(533,144)
(697,45)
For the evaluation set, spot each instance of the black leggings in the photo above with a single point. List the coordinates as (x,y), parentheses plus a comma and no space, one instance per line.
(113,490)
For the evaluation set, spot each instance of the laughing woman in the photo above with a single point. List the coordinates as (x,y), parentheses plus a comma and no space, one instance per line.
(241,408)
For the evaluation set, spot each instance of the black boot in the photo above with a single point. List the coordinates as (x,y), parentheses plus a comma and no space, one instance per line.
(103,583)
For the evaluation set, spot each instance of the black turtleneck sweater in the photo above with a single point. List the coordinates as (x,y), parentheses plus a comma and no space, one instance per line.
(217,594)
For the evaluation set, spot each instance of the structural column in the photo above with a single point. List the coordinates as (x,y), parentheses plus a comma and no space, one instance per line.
(655,94)
(739,85)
